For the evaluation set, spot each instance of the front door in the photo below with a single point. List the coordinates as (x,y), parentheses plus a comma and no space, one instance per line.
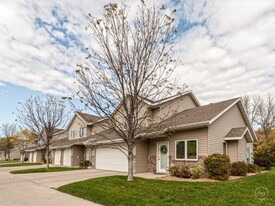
(162,157)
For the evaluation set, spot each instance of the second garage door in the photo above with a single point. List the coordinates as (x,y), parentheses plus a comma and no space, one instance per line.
(111,159)
(67,160)
(31,157)
(57,157)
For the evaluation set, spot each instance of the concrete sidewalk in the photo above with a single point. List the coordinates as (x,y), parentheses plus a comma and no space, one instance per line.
(57,179)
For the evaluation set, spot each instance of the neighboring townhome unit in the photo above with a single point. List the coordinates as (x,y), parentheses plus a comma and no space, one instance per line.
(187,133)
(68,146)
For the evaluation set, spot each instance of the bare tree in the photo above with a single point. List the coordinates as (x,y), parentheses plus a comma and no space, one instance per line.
(251,104)
(22,142)
(266,115)
(129,62)
(42,117)
(261,110)
(9,132)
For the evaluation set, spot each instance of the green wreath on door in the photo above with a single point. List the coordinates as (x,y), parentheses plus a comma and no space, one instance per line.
(163,149)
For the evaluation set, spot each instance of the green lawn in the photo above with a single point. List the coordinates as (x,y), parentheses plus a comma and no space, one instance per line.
(11,161)
(41,170)
(116,190)
(19,164)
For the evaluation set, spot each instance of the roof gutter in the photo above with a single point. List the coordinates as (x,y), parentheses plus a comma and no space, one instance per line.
(187,126)
(174,128)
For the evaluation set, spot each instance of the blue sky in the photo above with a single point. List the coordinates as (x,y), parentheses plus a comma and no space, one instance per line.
(228,48)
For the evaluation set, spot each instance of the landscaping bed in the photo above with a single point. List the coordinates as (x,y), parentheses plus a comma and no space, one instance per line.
(41,170)
(205,179)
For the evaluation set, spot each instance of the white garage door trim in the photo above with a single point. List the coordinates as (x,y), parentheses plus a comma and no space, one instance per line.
(30,157)
(35,157)
(57,157)
(67,160)
(111,159)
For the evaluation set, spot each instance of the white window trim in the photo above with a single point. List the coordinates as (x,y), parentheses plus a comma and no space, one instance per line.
(185,150)
(72,134)
(226,150)
(81,132)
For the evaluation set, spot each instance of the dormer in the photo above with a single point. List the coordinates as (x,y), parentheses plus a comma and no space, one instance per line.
(172,105)
(81,125)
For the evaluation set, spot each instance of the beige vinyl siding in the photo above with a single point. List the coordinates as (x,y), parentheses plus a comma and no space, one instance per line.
(218,129)
(242,150)
(170,108)
(198,134)
(77,123)
(141,159)
(232,150)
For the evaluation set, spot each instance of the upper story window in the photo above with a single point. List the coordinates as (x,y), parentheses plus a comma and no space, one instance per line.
(186,150)
(72,134)
(81,131)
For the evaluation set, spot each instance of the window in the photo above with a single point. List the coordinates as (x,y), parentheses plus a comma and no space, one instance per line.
(72,134)
(81,131)
(187,150)
(180,150)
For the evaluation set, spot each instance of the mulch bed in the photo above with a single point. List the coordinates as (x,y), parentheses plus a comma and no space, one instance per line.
(204,179)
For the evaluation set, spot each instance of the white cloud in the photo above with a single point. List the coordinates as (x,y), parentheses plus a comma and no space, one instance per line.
(229,50)
(228,47)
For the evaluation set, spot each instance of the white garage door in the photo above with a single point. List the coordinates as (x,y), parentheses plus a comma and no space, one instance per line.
(35,157)
(67,157)
(111,159)
(57,156)
(30,157)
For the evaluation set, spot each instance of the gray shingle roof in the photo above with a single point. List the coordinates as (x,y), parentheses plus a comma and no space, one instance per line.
(199,114)
(236,132)
(67,143)
(88,118)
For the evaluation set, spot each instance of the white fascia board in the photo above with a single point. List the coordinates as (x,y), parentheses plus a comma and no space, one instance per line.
(248,122)
(81,118)
(232,138)
(225,110)
(187,126)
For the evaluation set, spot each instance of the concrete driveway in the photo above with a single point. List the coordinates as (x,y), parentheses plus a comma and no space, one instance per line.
(36,189)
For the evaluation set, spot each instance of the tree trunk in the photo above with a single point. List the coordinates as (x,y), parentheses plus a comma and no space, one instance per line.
(9,156)
(47,157)
(130,164)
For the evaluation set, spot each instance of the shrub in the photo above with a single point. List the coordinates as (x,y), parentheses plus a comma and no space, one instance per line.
(84,163)
(259,169)
(173,169)
(238,168)
(184,172)
(26,159)
(178,170)
(217,166)
(251,168)
(263,163)
(196,172)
